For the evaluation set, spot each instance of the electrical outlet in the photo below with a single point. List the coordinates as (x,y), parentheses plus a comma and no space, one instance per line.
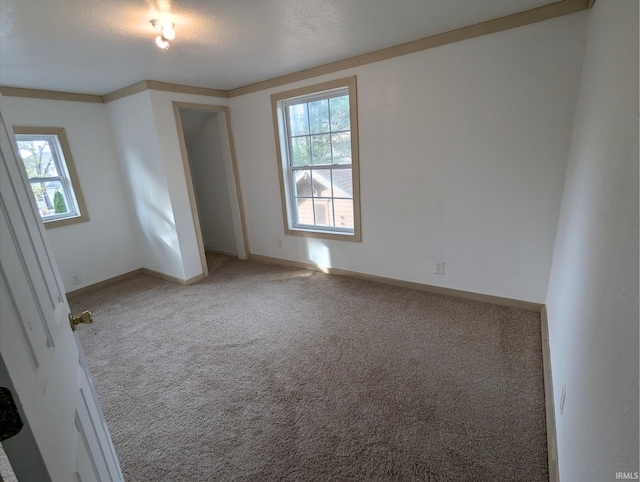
(279,243)
(440,267)
(76,278)
(563,397)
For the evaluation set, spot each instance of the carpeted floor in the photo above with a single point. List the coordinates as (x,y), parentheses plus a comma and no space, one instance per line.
(267,373)
(6,471)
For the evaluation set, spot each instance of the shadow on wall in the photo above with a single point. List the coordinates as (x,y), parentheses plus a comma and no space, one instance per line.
(154,214)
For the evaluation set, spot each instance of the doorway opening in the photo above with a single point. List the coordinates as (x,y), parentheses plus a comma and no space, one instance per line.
(208,155)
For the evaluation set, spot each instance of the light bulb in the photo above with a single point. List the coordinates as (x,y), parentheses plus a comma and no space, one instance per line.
(168,32)
(162,42)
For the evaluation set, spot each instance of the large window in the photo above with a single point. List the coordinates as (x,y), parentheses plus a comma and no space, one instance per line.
(317,141)
(47,159)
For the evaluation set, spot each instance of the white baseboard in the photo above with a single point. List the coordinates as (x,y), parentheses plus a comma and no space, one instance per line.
(102,284)
(496,300)
(173,279)
(164,276)
(220,251)
(147,271)
(194,279)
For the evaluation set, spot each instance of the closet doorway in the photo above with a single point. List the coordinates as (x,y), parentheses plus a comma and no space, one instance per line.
(208,154)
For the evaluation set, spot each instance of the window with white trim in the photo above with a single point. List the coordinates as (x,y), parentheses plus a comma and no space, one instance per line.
(47,160)
(317,141)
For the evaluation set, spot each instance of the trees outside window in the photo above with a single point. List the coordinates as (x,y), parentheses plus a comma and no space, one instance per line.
(51,173)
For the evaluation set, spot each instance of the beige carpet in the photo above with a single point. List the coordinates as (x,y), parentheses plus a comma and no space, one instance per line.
(6,471)
(266,373)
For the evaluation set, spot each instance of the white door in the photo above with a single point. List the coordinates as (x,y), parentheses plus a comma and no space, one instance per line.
(41,353)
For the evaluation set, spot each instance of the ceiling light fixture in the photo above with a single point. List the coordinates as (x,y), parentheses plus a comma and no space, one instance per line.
(162,42)
(166,33)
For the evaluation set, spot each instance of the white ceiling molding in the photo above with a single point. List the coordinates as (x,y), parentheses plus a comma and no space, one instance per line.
(68,76)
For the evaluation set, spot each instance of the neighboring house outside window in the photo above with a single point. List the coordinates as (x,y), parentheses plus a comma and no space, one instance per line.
(49,165)
(317,145)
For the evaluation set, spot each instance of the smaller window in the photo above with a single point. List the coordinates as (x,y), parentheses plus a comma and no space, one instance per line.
(47,160)
(317,146)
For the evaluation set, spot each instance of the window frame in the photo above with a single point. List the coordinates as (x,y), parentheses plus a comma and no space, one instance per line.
(67,174)
(279,101)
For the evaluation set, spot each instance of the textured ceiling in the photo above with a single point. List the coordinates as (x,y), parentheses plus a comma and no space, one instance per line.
(98,46)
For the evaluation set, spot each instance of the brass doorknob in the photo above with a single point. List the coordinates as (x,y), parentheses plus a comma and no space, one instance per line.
(85,319)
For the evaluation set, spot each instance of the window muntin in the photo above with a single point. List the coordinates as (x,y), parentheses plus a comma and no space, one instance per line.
(51,175)
(318,159)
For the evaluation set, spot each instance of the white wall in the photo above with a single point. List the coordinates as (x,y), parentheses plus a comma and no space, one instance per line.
(593,291)
(462,155)
(105,246)
(210,184)
(234,194)
(148,194)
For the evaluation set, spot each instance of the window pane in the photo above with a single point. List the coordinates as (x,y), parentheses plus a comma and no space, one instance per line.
(51,199)
(301,151)
(324,212)
(302,183)
(321,182)
(341,144)
(342,183)
(343,209)
(304,213)
(340,119)
(37,158)
(298,119)
(317,160)
(45,162)
(319,116)
(321,149)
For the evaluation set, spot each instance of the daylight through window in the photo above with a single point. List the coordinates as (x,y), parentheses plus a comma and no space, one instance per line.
(50,174)
(318,159)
